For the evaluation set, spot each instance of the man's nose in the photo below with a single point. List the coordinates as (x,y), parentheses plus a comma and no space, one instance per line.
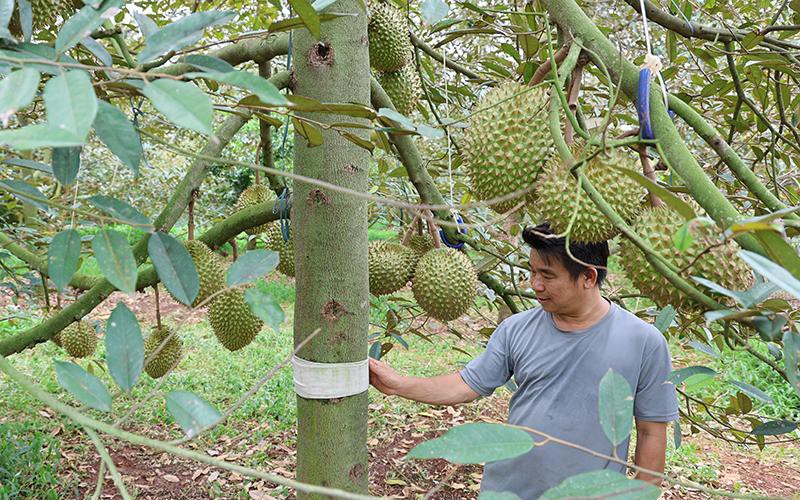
(537,284)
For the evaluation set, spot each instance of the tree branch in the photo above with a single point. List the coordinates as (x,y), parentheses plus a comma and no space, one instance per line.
(458,68)
(251,49)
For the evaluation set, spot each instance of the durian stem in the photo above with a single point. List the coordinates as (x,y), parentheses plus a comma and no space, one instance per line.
(575,49)
(500,290)
(650,173)
(158,306)
(554,124)
(265,134)
(122,47)
(46,291)
(190,215)
(410,229)
(541,72)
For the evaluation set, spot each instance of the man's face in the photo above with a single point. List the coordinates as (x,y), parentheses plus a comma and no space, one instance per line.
(555,289)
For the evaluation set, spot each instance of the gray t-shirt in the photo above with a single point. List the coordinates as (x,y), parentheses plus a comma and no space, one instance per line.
(558,374)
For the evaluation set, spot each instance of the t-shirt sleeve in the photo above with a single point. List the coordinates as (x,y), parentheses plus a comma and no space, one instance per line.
(492,368)
(656,399)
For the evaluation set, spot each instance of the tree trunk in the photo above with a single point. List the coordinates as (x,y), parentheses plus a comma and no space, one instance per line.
(330,233)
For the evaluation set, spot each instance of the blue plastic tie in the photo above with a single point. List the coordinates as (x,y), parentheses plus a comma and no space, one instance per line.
(463,230)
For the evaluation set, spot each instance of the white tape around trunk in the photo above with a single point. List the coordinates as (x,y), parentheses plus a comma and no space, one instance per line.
(314,380)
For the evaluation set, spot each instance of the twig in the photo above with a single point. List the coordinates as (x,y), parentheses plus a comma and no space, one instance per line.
(106,459)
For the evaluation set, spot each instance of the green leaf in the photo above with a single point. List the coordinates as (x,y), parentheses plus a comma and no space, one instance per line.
(396,117)
(683,239)
(476,443)
(603,484)
(752,391)
(774,428)
(29,164)
(121,211)
(434,11)
(497,495)
(124,347)
(319,5)
(71,103)
(772,271)
(26,18)
(615,401)
(38,136)
(175,267)
(665,318)
(704,348)
(261,87)
(62,257)
(308,15)
(676,433)
(118,133)
(66,163)
(17,90)
(791,358)
(146,25)
(98,51)
(251,266)
(182,103)
(183,32)
(264,305)
(81,25)
(6,11)
(679,376)
(85,387)
(192,412)
(26,193)
(310,132)
(208,63)
(116,260)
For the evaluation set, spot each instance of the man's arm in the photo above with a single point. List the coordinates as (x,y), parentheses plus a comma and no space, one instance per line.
(651,449)
(447,389)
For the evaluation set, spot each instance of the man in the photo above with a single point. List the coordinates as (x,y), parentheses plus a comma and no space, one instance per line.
(558,353)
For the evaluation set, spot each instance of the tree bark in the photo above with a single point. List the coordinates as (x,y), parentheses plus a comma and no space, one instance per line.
(330,232)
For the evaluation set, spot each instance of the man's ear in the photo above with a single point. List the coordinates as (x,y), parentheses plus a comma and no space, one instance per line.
(590,276)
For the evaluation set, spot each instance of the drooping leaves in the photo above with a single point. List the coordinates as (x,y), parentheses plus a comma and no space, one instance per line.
(179,34)
(252,266)
(615,401)
(124,347)
(476,443)
(84,386)
(602,484)
(62,257)
(117,132)
(182,103)
(115,258)
(174,266)
(191,412)
(66,163)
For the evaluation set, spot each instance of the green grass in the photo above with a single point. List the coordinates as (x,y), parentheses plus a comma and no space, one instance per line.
(29,464)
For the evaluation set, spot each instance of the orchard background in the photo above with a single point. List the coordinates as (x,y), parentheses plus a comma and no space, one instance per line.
(305,145)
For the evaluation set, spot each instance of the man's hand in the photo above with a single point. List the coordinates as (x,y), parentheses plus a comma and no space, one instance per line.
(384,378)
(447,389)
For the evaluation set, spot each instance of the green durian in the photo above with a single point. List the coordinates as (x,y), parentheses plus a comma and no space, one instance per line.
(403,87)
(445,283)
(253,195)
(391,266)
(167,357)
(556,192)
(79,339)
(232,321)
(389,44)
(210,270)
(274,241)
(657,227)
(507,142)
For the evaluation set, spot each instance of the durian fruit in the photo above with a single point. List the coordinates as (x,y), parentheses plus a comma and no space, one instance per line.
(46,14)
(389,44)
(210,270)
(403,87)
(445,283)
(421,243)
(78,339)
(391,266)
(167,357)
(232,321)
(253,195)
(274,241)
(657,227)
(507,142)
(556,191)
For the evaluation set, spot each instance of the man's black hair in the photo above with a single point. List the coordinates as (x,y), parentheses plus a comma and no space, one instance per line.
(541,239)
